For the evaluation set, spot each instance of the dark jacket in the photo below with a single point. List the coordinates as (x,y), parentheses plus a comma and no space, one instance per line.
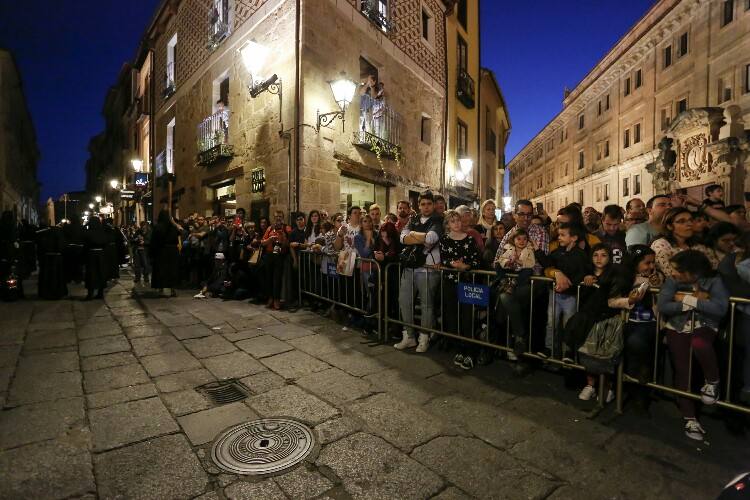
(709,312)
(575,264)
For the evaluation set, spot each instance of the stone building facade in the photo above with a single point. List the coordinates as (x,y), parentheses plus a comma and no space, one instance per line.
(19,154)
(664,109)
(268,152)
(494,131)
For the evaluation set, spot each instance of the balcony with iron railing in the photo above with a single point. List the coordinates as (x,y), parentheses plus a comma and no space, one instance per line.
(218,25)
(377,12)
(213,138)
(164,163)
(465,88)
(169,82)
(380,128)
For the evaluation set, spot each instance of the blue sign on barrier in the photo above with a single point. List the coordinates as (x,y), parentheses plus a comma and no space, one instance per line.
(331,269)
(473,294)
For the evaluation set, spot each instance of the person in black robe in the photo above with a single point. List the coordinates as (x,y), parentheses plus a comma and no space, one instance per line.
(73,252)
(111,260)
(8,243)
(50,244)
(95,241)
(27,257)
(165,256)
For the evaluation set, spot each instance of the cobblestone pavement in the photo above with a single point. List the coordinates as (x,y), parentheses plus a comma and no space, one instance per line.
(98,401)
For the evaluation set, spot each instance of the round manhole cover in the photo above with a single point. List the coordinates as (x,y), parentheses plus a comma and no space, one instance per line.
(262,446)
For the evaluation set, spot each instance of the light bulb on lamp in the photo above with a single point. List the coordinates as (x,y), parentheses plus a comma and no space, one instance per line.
(254,56)
(137,164)
(97,199)
(343,91)
(114,183)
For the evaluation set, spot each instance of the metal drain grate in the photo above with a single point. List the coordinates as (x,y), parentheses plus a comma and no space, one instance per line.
(224,392)
(262,446)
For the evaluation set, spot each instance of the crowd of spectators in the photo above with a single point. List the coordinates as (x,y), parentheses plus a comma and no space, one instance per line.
(674,259)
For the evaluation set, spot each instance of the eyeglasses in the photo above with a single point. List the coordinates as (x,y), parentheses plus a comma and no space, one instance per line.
(524,214)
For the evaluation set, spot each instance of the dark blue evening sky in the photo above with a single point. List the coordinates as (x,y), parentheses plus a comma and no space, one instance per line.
(70,52)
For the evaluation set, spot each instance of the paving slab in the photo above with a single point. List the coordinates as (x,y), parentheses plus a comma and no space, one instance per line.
(138,320)
(233,365)
(164,467)
(493,424)
(483,471)
(50,339)
(12,335)
(413,363)
(184,402)
(32,387)
(371,468)
(99,329)
(401,424)
(337,428)
(183,380)
(148,346)
(191,331)
(9,355)
(264,346)
(176,320)
(103,345)
(452,493)
(407,387)
(129,422)
(206,347)
(253,322)
(47,470)
(303,483)
(145,330)
(294,364)
(263,382)
(170,362)
(51,324)
(472,387)
(354,362)
(203,426)
(242,490)
(63,361)
(318,344)
(335,386)
(107,361)
(113,378)
(288,331)
(121,395)
(291,401)
(241,335)
(37,422)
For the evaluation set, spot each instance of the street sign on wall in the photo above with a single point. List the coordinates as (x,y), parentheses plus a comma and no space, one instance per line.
(258,179)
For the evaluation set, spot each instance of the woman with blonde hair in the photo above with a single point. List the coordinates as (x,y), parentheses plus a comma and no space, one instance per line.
(487,218)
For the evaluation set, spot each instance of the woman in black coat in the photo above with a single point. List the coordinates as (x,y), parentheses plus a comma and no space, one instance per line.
(165,256)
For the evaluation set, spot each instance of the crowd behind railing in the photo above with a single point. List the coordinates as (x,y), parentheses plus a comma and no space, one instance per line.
(607,293)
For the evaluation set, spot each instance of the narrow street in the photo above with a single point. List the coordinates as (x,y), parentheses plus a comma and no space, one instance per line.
(99,401)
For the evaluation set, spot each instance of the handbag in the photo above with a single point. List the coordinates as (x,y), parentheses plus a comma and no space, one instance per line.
(346,262)
(254,259)
(413,256)
(603,347)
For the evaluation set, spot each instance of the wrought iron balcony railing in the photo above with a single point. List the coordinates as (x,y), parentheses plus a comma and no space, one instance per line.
(377,12)
(213,138)
(218,23)
(379,128)
(465,89)
(169,82)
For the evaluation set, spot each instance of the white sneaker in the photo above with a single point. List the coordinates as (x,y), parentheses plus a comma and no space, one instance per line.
(406,342)
(693,429)
(587,393)
(424,342)
(458,359)
(710,393)
(199,295)
(511,356)
(610,396)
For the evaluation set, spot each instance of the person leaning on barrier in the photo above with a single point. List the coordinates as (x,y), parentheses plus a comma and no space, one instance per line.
(693,301)
(420,260)
(514,304)
(734,269)
(646,232)
(676,236)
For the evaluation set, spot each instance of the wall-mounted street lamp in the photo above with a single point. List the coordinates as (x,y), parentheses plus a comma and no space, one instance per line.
(464,169)
(254,57)
(98,199)
(137,164)
(343,93)
(91,206)
(114,183)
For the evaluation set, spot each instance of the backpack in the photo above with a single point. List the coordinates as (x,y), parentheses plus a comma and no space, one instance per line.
(603,347)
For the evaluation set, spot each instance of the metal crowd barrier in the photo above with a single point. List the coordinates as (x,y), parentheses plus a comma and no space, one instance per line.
(319,279)
(657,382)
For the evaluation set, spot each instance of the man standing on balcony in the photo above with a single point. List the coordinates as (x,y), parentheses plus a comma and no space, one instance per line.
(372,107)
(420,275)
(223,114)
